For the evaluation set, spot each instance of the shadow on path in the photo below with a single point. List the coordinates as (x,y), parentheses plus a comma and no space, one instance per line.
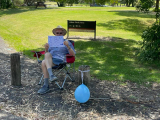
(61,104)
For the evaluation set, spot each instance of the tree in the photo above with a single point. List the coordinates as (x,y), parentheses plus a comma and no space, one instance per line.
(113,2)
(29,2)
(88,1)
(62,3)
(150,50)
(5,4)
(128,2)
(157,5)
(102,2)
(70,2)
(144,5)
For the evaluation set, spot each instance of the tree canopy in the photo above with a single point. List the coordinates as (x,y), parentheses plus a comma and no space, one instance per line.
(145,5)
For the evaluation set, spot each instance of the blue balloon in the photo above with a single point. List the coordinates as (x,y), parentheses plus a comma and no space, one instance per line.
(82,93)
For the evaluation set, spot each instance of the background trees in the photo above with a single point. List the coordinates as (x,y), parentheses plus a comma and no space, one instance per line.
(5,4)
(29,2)
(129,2)
(142,5)
(145,5)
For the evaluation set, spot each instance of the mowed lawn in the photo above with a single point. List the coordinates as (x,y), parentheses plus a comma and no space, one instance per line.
(111,56)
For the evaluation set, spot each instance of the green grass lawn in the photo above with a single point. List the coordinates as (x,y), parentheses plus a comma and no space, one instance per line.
(26,29)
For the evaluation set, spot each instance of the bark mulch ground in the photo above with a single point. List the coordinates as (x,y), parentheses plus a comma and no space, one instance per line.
(108,101)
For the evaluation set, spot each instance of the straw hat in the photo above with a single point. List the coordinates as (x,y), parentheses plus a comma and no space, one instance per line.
(59,28)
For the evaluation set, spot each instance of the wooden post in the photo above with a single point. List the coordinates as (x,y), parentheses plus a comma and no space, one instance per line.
(86,75)
(15,69)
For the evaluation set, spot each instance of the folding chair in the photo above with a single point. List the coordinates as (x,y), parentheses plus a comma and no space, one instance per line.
(65,66)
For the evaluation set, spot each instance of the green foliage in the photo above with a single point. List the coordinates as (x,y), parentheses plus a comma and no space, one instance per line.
(114,1)
(70,2)
(30,2)
(18,2)
(150,50)
(61,3)
(5,4)
(102,2)
(144,5)
(88,1)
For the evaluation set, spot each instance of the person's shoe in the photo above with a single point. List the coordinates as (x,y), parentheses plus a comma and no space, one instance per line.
(44,89)
(53,78)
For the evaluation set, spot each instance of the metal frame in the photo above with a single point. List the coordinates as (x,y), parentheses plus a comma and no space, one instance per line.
(67,74)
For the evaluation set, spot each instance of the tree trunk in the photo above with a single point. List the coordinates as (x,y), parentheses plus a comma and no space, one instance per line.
(127,3)
(133,3)
(86,75)
(157,5)
(60,4)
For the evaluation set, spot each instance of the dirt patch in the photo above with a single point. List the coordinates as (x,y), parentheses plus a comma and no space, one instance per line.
(109,100)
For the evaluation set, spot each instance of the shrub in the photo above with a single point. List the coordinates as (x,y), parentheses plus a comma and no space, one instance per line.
(150,50)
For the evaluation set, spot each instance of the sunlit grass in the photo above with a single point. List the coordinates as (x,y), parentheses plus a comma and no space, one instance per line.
(27,29)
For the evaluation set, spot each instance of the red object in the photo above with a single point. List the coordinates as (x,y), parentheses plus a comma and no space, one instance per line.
(38,53)
(70,58)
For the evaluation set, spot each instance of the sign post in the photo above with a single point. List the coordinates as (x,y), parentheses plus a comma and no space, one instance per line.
(81,26)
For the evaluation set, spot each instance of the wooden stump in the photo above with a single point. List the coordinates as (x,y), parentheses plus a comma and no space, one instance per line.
(15,69)
(86,75)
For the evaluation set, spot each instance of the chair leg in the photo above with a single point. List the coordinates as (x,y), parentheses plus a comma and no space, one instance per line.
(67,75)
(73,71)
(61,87)
(41,80)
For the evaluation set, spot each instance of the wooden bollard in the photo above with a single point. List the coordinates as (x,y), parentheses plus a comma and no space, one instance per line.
(86,75)
(15,69)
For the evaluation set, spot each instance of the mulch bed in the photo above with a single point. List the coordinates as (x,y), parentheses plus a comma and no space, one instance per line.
(109,100)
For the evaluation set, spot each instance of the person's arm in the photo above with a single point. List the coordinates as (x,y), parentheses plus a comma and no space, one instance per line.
(71,52)
(46,47)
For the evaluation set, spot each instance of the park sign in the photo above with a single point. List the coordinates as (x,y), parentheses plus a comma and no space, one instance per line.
(81,26)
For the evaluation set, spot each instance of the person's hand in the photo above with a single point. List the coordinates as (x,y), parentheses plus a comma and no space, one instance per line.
(46,46)
(66,43)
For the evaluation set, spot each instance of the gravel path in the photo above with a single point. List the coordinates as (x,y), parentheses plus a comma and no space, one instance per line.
(109,100)
(5,52)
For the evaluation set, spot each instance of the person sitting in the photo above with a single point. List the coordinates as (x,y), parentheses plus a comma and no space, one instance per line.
(54,56)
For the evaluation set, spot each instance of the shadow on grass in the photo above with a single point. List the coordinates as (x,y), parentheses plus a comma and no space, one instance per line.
(132,25)
(133,14)
(111,59)
(61,104)
(22,9)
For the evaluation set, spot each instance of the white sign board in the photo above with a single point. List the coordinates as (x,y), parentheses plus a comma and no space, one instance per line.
(55,41)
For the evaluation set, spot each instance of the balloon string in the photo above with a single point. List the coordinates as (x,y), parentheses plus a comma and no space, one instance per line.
(82,74)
